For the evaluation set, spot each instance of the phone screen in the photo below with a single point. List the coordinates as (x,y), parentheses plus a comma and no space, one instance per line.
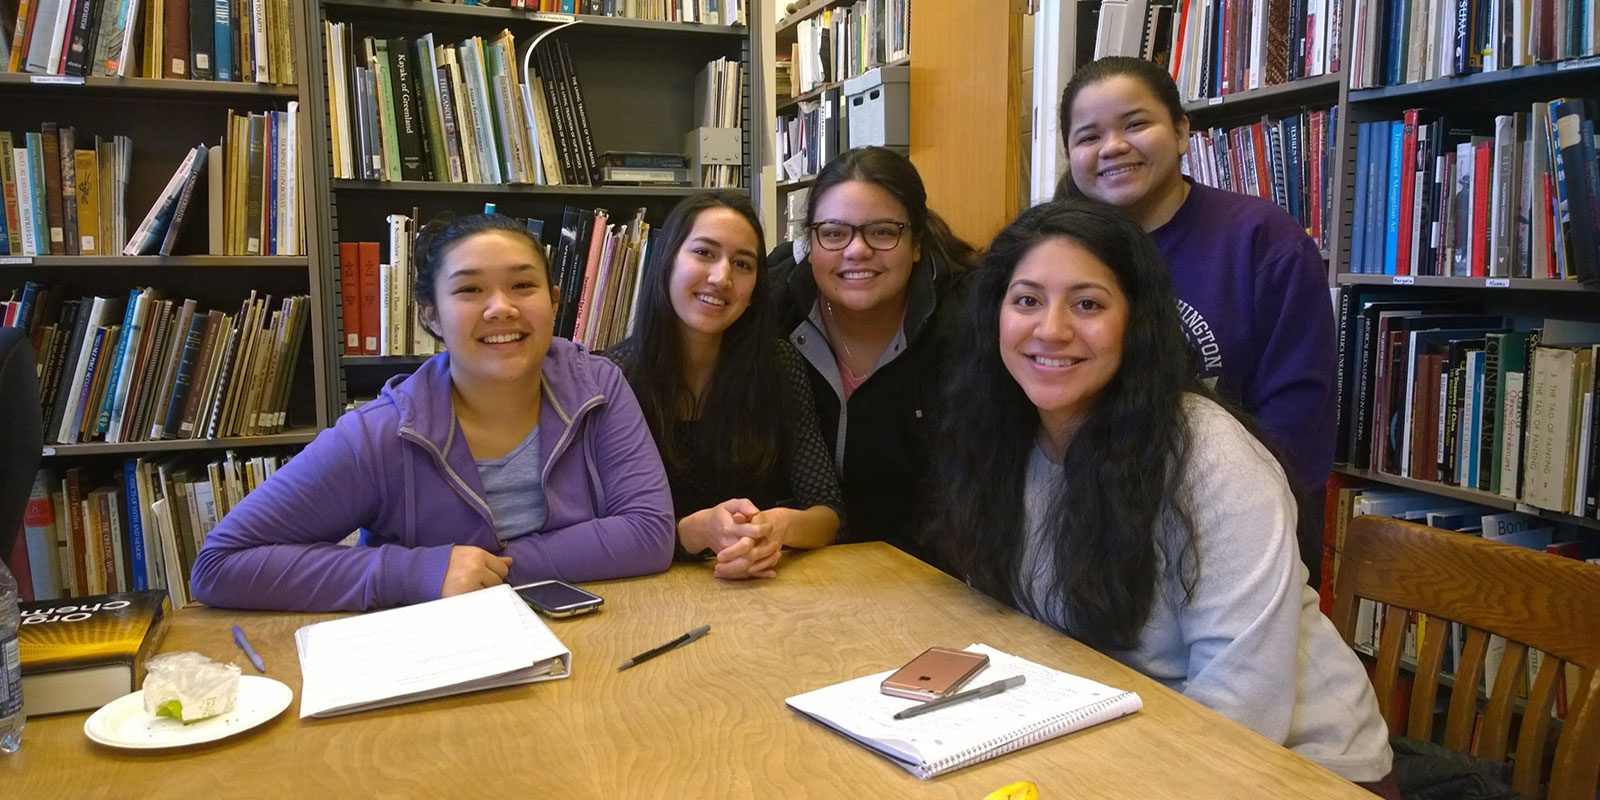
(555,596)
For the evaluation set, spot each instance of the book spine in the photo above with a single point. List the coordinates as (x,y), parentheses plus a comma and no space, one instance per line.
(39,530)
(138,558)
(590,163)
(222,40)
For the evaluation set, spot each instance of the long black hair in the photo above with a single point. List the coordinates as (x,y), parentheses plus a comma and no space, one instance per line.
(895,174)
(1149,73)
(1103,526)
(738,407)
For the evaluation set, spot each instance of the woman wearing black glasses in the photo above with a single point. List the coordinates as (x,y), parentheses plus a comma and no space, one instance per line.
(866,298)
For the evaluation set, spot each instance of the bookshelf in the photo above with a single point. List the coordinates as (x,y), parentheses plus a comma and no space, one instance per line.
(628,70)
(1507,291)
(164,118)
(816,121)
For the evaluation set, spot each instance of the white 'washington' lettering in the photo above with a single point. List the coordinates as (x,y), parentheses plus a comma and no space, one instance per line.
(1201,337)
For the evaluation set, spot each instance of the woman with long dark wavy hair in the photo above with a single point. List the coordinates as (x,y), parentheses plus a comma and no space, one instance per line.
(1089,479)
(725,397)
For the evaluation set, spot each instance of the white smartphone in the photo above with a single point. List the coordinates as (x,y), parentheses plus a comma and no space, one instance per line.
(559,598)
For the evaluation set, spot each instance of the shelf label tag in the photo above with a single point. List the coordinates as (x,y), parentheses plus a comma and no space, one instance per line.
(1405,280)
(14,260)
(1213,101)
(546,17)
(49,451)
(1497,283)
(61,80)
(1578,63)
(1524,508)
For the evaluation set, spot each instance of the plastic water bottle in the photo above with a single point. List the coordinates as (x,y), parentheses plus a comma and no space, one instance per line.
(11,717)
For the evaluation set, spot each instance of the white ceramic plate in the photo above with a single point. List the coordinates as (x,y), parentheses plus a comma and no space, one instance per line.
(123,722)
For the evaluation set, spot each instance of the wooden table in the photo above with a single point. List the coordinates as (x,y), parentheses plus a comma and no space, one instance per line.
(705,721)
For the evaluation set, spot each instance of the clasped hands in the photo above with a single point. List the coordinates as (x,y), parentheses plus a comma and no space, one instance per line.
(747,540)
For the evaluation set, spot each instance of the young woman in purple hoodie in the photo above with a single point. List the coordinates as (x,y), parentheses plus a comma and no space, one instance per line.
(1252,288)
(511,457)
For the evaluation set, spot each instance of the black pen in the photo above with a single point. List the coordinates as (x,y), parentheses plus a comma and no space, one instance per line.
(656,651)
(971,694)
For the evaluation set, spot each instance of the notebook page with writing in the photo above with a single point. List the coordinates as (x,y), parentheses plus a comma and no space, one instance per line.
(457,644)
(1051,703)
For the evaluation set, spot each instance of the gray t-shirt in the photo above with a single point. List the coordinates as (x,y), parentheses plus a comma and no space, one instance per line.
(514,489)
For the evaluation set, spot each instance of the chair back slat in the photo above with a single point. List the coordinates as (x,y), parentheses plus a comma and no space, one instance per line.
(1577,764)
(1532,599)
(1464,699)
(1534,734)
(1387,672)
(1430,658)
(1577,691)
(1502,699)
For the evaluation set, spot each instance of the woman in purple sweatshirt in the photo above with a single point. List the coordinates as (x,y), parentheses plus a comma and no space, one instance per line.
(511,457)
(1252,288)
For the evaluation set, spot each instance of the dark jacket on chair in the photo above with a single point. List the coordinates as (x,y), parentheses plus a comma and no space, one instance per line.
(21,431)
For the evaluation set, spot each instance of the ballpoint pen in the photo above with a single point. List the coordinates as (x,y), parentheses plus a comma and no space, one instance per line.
(244,644)
(971,694)
(656,651)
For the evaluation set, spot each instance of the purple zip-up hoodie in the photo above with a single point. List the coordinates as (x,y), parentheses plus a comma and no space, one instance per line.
(399,468)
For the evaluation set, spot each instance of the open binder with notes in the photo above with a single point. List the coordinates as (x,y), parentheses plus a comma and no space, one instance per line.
(479,640)
(1048,704)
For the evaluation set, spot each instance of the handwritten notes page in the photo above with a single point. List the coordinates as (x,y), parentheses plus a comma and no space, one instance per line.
(474,641)
(1051,703)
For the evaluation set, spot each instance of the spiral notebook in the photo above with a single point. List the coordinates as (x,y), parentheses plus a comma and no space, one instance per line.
(1051,703)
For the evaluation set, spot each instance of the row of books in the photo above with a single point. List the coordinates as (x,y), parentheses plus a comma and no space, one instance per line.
(1513,195)
(717,93)
(167,370)
(1443,392)
(89,533)
(1288,161)
(407,109)
(60,199)
(252,190)
(599,264)
(380,316)
(595,262)
(817,131)
(710,12)
(1407,41)
(1465,519)
(1215,48)
(842,43)
(220,40)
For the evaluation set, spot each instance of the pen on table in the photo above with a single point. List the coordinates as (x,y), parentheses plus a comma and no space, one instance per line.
(244,644)
(656,651)
(971,694)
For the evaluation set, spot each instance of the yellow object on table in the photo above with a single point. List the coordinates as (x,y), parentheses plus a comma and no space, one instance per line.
(1021,790)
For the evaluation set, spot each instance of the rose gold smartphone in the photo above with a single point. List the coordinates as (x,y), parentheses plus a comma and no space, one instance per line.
(937,672)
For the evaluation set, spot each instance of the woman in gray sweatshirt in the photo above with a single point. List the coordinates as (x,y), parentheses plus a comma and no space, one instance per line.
(1091,481)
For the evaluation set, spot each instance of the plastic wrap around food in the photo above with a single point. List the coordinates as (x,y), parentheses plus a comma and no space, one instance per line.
(189,686)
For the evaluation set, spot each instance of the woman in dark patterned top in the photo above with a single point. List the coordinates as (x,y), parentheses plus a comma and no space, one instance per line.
(726,398)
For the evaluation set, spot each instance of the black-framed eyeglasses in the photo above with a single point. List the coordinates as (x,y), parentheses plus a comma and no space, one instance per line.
(881,235)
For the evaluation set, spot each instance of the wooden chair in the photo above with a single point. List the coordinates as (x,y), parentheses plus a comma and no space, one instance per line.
(1530,598)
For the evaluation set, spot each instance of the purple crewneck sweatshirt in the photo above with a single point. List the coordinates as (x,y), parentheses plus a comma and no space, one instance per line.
(399,468)
(1253,297)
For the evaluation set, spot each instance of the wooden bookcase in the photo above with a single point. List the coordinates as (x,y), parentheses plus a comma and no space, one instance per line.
(785,36)
(638,83)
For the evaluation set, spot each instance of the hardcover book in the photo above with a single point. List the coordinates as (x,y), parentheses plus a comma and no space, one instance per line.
(85,652)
